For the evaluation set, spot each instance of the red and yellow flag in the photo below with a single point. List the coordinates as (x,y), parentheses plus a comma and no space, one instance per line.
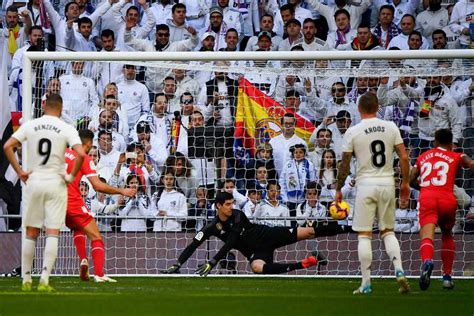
(258,118)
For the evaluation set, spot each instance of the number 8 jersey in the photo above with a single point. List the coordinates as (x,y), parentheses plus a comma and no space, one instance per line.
(373,142)
(438,168)
(47,139)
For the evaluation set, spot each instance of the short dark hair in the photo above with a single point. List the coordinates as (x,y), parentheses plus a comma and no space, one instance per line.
(12,8)
(186,94)
(133,7)
(323,130)
(84,20)
(342,11)
(273,182)
(104,132)
(288,114)
(162,27)
(444,136)
(439,31)
(267,15)
(289,7)
(388,7)
(85,135)
(292,93)
(177,6)
(223,196)
(36,27)
(415,33)
(66,8)
(409,15)
(313,185)
(364,25)
(231,30)
(309,20)
(107,33)
(159,94)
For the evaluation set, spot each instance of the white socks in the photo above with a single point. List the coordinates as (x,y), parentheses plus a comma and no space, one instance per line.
(392,247)
(50,254)
(364,249)
(27,256)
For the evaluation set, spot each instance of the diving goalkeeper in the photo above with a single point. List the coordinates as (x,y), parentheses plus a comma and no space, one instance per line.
(254,241)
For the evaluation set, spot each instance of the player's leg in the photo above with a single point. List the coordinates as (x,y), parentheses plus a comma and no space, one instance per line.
(80,244)
(363,219)
(321,229)
(446,222)
(97,252)
(50,255)
(262,263)
(27,256)
(428,219)
(386,220)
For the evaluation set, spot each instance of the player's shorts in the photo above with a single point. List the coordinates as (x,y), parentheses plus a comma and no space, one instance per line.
(45,202)
(439,209)
(273,238)
(371,201)
(78,217)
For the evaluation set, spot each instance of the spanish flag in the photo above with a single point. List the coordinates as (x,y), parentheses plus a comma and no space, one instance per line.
(258,119)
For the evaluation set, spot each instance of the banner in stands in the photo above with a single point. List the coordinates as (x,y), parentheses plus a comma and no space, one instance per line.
(258,119)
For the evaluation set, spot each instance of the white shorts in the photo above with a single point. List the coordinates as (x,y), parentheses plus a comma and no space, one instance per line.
(45,203)
(371,201)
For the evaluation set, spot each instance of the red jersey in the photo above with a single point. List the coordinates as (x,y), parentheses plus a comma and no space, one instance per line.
(438,169)
(74,199)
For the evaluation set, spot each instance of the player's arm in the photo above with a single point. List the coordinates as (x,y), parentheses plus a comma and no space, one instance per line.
(9,149)
(467,162)
(414,175)
(200,237)
(405,171)
(102,187)
(342,173)
(77,162)
(204,269)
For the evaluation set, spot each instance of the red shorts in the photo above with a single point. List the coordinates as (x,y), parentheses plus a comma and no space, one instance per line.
(78,218)
(439,209)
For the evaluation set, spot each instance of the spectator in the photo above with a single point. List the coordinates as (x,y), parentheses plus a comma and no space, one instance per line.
(322,140)
(132,15)
(185,83)
(109,157)
(153,75)
(338,126)
(342,37)
(261,179)
(264,81)
(460,21)
(78,93)
(301,14)
(272,207)
(293,28)
(161,10)
(108,72)
(232,17)
(364,40)
(297,171)
(202,207)
(185,176)
(218,26)
(177,25)
(134,207)
(249,11)
(361,87)
(34,39)
(401,7)
(120,123)
(328,11)
(327,176)
(14,30)
(310,41)
(168,201)
(281,144)
(133,95)
(263,157)
(440,41)
(266,25)
(386,29)
(407,25)
(81,40)
(231,41)
(155,150)
(254,197)
(311,208)
(436,17)
(287,13)
(172,99)
(109,121)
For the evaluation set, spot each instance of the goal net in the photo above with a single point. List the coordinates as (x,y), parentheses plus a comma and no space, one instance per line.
(221,121)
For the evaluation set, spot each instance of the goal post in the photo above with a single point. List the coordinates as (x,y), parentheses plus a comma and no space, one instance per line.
(262,86)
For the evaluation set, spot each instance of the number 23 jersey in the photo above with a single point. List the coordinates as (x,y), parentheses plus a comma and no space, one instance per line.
(438,169)
(373,142)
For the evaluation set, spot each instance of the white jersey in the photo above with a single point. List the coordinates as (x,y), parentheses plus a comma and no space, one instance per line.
(48,137)
(373,142)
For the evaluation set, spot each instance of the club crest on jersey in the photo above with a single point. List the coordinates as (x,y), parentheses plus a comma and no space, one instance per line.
(84,84)
(219,226)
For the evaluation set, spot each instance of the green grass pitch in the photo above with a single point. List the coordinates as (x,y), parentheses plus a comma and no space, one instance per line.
(233,296)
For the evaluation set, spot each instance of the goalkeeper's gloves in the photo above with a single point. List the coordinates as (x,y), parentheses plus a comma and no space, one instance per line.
(173,269)
(204,269)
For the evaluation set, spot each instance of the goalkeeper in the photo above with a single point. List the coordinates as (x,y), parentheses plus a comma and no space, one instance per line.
(254,241)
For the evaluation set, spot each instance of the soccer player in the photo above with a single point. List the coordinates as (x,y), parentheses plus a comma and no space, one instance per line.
(79,219)
(254,241)
(372,142)
(45,194)
(436,170)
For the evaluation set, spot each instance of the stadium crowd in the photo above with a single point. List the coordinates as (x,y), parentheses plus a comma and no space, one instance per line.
(144,117)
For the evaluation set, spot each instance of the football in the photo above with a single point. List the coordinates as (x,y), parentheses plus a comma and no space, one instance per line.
(339,211)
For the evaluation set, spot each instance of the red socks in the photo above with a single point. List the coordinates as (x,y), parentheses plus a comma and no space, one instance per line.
(447,253)
(80,243)
(98,256)
(426,249)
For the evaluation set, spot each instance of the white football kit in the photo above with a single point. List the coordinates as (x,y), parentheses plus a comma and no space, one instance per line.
(373,142)
(45,193)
